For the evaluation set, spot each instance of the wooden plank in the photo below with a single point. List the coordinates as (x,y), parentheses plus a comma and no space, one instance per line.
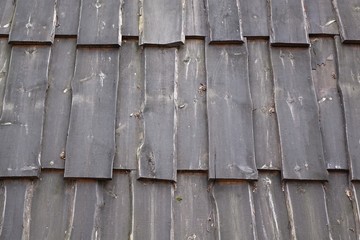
(130,98)
(230,121)
(224,21)
(5,50)
(130,18)
(100,23)
(329,101)
(67,17)
(153,216)
(303,200)
(270,207)
(321,17)
(339,205)
(7,8)
(162,22)
(287,23)
(90,146)
(52,207)
(34,22)
(196,18)
(102,209)
(348,18)
(193,218)
(58,103)
(266,132)
(298,115)
(22,118)
(157,151)
(192,140)
(348,62)
(254,18)
(234,210)
(354,196)
(16,209)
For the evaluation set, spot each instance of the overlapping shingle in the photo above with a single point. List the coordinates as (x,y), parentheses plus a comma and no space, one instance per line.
(5,50)
(7,8)
(254,18)
(321,17)
(67,17)
(348,17)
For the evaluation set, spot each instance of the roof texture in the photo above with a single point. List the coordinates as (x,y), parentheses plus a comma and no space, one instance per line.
(191,119)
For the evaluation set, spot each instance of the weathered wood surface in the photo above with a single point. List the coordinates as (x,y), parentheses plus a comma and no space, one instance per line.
(348,17)
(266,132)
(298,115)
(152,210)
(254,18)
(196,18)
(130,18)
(52,207)
(5,50)
(224,21)
(58,103)
(157,151)
(90,146)
(234,210)
(130,98)
(272,218)
(339,205)
(7,8)
(331,113)
(100,23)
(192,140)
(306,204)
(162,22)
(321,17)
(348,60)
(67,17)
(15,217)
(193,212)
(21,122)
(288,23)
(34,21)
(230,120)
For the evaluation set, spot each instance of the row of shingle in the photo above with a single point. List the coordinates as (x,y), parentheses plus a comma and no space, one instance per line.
(54,208)
(157,120)
(167,22)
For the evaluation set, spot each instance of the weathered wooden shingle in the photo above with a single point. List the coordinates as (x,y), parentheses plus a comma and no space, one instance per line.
(224,21)
(5,50)
(34,21)
(21,122)
(193,212)
(254,18)
(288,23)
(230,121)
(196,18)
(90,146)
(130,18)
(234,210)
(348,16)
(192,140)
(272,220)
(100,23)
(321,17)
(7,8)
(266,132)
(130,98)
(162,22)
(306,205)
(58,103)
(348,59)
(67,17)
(339,204)
(157,151)
(331,114)
(152,210)
(298,117)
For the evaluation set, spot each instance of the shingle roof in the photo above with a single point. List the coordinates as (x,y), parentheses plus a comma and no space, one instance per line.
(186,119)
